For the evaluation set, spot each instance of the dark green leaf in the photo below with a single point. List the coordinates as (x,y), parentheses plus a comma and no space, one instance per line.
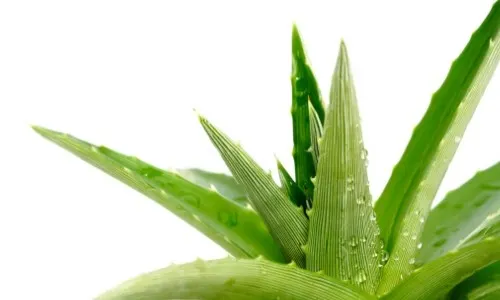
(483,285)
(304,90)
(291,188)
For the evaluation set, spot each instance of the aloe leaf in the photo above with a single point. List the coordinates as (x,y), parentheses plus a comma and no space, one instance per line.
(287,223)
(290,187)
(435,279)
(222,183)
(233,279)
(461,214)
(304,91)
(483,285)
(408,196)
(316,129)
(237,229)
(300,61)
(343,237)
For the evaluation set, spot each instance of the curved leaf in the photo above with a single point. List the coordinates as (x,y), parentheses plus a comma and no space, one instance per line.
(229,279)
(408,196)
(483,285)
(461,214)
(235,228)
(343,237)
(435,279)
(287,223)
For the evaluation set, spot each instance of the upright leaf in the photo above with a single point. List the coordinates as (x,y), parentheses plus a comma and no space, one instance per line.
(230,279)
(435,279)
(483,285)
(461,214)
(237,229)
(343,236)
(409,193)
(316,133)
(287,223)
(290,187)
(304,90)
(222,183)
(300,61)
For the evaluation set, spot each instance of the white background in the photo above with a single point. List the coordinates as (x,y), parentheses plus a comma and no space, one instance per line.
(128,74)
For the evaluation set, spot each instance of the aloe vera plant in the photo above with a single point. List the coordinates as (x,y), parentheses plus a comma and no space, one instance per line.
(320,235)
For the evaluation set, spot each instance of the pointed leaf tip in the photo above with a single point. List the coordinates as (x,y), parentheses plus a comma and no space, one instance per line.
(297,46)
(40,130)
(343,60)
(287,225)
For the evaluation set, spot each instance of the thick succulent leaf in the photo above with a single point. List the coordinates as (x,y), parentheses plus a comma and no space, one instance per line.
(343,237)
(222,183)
(231,279)
(435,279)
(237,229)
(290,187)
(300,61)
(286,222)
(461,214)
(316,133)
(408,195)
(304,89)
(483,285)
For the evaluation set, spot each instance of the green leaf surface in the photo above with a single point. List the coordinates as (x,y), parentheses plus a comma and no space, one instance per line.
(304,88)
(463,213)
(222,183)
(300,61)
(483,285)
(286,222)
(343,237)
(290,187)
(435,279)
(408,196)
(238,280)
(237,229)
(316,129)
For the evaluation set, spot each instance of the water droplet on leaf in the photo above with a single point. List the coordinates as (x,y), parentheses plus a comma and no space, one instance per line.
(353,242)
(364,154)
(360,277)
